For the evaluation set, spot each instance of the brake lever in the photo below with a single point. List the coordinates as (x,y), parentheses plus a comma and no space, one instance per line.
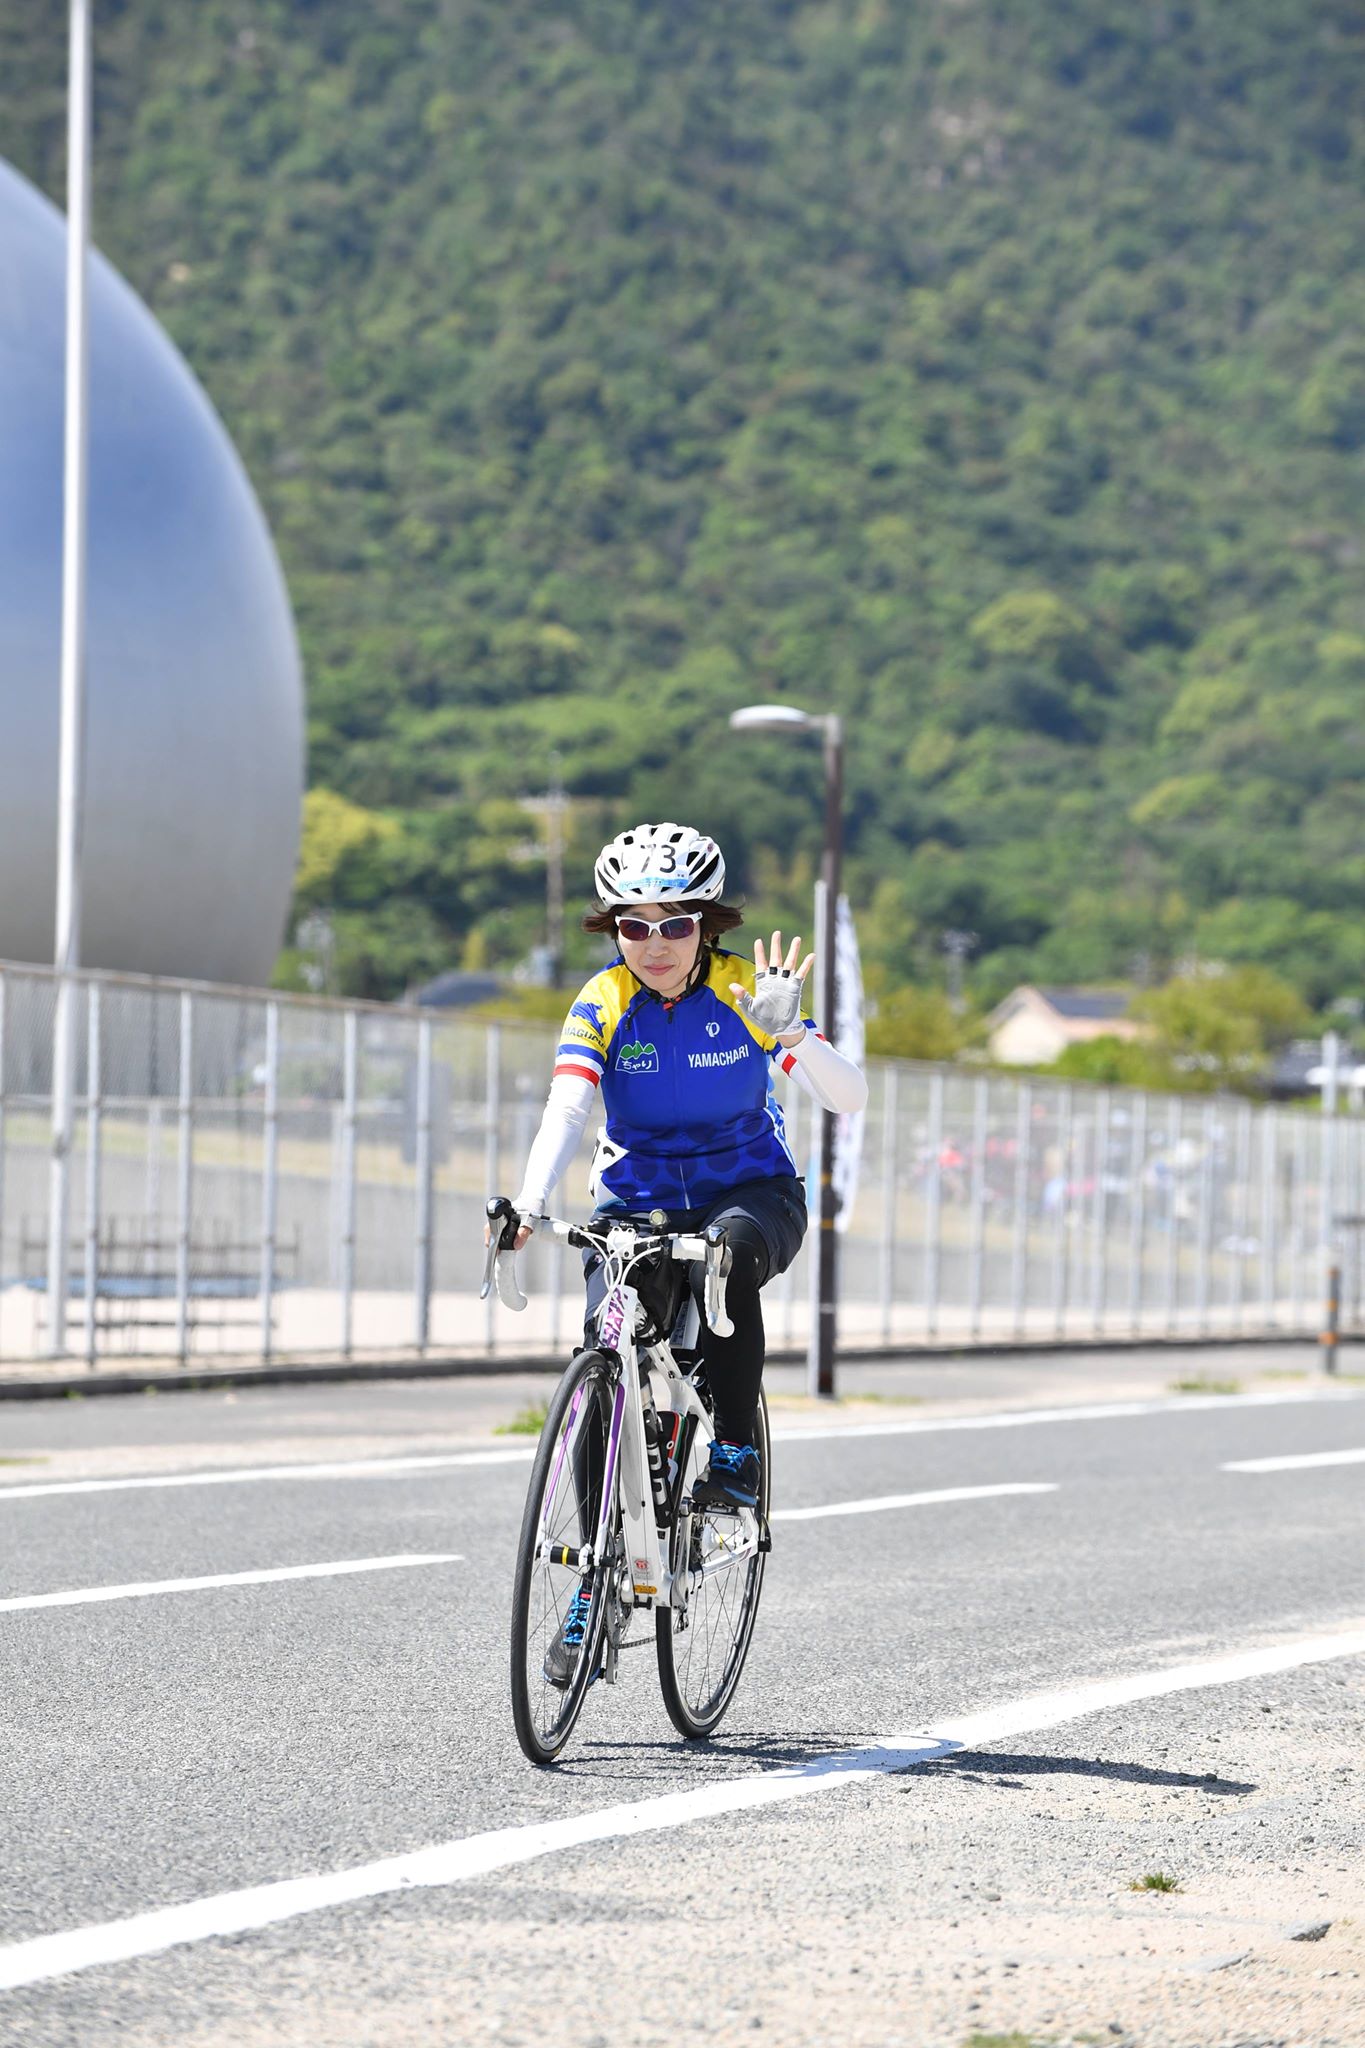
(509,1289)
(719,1259)
(499,1261)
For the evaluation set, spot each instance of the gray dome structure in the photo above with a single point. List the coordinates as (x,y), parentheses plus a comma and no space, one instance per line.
(194,698)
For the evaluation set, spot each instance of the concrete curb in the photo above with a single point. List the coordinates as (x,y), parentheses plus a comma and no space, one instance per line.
(161,1377)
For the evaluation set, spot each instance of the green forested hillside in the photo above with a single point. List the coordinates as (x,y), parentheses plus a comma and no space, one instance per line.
(991,369)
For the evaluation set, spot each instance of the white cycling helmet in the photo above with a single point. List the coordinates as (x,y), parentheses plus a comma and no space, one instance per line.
(651,862)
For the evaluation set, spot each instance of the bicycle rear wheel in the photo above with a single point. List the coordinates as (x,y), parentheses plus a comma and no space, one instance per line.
(702,1648)
(563,1503)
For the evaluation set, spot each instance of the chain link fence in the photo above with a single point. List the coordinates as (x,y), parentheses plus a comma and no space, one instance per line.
(264,1176)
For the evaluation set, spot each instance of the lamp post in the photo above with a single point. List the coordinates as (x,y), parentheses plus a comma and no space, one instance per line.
(790,718)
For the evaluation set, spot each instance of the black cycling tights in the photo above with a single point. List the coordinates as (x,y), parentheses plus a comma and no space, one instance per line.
(734,1364)
(765,1222)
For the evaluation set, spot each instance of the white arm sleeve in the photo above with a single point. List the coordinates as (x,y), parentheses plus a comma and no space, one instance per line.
(820,1070)
(554,1145)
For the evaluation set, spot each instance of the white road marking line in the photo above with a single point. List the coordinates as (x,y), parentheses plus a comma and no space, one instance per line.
(907,1500)
(85,1596)
(1288,1464)
(384,1468)
(447,1863)
(350,1468)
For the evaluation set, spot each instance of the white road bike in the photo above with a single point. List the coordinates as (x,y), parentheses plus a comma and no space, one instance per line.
(609,1511)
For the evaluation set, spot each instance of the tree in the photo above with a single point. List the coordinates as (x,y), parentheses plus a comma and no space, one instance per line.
(914,1024)
(1218,1027)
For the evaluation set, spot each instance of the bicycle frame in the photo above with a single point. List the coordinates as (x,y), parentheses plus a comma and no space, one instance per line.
(650,1576)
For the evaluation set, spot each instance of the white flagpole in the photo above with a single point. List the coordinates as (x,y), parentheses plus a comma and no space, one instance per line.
(67,953)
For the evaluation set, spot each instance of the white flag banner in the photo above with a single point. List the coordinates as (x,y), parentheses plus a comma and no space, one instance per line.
(850,1035)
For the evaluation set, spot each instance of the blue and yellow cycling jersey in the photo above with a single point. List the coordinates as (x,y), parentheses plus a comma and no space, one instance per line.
(687,1088)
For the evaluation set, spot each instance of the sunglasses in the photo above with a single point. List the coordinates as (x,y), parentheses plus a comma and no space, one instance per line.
(680,926)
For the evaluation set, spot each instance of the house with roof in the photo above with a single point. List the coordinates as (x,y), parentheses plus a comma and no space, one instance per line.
(1034,1026)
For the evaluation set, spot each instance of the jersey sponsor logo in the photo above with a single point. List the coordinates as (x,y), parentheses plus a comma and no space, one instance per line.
(637,1059)
(591,1013)
(713,1029)
(728,1058)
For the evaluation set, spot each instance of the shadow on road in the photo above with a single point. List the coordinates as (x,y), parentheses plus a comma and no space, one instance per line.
(1008,1772)
(620,1759)
(733,1748)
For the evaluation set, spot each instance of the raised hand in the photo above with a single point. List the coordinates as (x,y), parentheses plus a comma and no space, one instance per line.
(775,1005)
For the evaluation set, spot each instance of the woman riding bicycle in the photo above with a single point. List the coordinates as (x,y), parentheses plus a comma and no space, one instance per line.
(682,1039)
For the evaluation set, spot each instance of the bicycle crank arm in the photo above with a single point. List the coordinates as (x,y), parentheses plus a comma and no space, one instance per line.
(723,1563)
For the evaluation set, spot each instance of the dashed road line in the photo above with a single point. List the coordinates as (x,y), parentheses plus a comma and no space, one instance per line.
(456,1862)
(87,1596)
(887,1501)
(1304,1461)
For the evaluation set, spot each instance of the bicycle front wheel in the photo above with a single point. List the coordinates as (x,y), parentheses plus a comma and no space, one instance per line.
(702,1647)
(563,1502)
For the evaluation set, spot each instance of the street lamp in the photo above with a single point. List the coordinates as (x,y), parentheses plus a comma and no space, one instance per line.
(790,718)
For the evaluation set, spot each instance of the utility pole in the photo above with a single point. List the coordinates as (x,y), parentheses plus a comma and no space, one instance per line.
(959,947)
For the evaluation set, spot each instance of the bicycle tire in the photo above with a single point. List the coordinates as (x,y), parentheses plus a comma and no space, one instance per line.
(543,1715)
(720,1623)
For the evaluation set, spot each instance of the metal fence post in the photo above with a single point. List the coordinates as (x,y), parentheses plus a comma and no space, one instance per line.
(3,993)
(270,1180)
(1060,1247)
(59,1174)
(1176,1139)
(1327,1161)
(1270,1277)
(350,1093)
(422,1278)
(492,1148)
(933,1222)
(556,1292)
(886,1274)
(791,1117)
(1240,1207)
(1205,1220)
(1299,1180)
(977,1227)
(1023,1164)
(184,1177)
(1099,1219)
(94,1104)
(1137,1209)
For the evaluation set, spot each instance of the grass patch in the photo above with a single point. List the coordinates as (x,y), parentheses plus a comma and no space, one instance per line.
(808,1404)
(24,1461)
(1202,1384)
(526,1422)
(896,1400)
(999,2041)
(1283,1372)
(1154,1881)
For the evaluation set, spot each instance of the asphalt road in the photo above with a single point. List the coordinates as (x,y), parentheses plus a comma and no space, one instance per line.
(170,1746)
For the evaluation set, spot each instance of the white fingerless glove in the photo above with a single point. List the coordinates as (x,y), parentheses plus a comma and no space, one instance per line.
(775,1005)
